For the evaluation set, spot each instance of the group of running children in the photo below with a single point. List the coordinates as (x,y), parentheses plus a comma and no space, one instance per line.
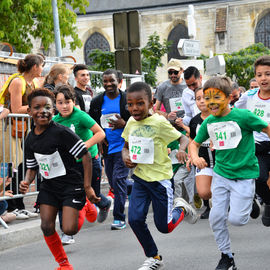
(54,148)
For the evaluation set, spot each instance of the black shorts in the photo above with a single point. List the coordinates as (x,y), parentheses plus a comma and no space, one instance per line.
(264,164)
(58,200)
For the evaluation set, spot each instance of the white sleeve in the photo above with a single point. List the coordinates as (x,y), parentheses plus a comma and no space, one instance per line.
(242,102)
(187,101)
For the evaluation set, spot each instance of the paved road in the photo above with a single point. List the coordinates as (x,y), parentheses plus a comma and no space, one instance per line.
(189,247)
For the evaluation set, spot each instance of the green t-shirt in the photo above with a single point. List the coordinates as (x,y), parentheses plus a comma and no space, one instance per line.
(232,136)
(79,122)
(160,132)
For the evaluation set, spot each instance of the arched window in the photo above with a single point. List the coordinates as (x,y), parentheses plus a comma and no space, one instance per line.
(95,41)
(178,32)
(262,31)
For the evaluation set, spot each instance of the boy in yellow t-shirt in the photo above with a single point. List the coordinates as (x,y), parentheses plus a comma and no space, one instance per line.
(146,139)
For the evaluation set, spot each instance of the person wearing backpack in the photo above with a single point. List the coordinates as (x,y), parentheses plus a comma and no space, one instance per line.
(13,96)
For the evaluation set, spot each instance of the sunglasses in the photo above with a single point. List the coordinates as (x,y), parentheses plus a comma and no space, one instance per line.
(171,72)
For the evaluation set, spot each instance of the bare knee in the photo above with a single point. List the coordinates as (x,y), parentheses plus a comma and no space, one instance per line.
(48,228)
(70,230)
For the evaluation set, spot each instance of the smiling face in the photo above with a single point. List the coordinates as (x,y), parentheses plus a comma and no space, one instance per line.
(82,78)
(41,111)
(263,78)
(110,83)
(216,102)
(138,104)
(174,75)
(63,105)
(200,102)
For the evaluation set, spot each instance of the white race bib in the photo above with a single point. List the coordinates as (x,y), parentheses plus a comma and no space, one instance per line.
(105,119)
(176,104)
(259,108)
(141,150)
(224,135)
(50,166)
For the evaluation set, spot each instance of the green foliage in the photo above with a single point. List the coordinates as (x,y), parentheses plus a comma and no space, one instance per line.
(21,19)
(239,65)
(151,57)
(102,60)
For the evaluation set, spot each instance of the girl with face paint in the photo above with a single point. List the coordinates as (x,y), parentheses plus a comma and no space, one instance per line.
(236,166)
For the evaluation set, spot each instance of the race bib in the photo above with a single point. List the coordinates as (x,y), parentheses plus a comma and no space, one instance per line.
(176,104)
(87,100)
(50,166)
(224,135)
(105,119)
(141,150)
(260,108)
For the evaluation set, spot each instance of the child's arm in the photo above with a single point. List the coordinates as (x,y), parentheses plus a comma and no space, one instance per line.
(126,158)
(4,113)
(98,137)
(179,123)
(199,162)
(87,168)
(181,154)
(267,130)
(29,178)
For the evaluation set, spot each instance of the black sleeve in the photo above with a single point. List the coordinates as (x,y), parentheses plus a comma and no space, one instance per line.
(31,162)
(192,126)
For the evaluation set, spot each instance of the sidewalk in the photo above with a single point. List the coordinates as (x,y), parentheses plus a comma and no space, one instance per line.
(21,232)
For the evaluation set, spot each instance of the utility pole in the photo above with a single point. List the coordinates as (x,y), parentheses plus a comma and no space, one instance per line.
(57,37)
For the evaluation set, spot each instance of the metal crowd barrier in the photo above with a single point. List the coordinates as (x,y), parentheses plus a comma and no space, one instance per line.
(13,152)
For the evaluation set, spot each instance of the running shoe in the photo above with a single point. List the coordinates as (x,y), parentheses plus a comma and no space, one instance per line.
(118,225)
(190,213)
(103,212)
(152,263)
(266,216)
(110,194)
(28,213)
(66,267)
(205,214)
(226,263)
(256,209)
(67,239)
(20,215)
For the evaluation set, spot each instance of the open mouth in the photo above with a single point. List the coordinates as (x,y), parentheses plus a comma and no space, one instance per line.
(214,108)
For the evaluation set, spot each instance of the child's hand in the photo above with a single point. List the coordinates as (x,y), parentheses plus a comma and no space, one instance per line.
(179,122)
(199,162)
(181,155)
(24,187)
(128,162)
(91,195)
(188,163)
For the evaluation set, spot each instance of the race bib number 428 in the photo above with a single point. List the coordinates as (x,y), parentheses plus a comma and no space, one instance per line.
(141,150)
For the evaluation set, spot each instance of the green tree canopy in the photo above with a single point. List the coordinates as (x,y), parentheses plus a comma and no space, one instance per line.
(240,65)
(22,19)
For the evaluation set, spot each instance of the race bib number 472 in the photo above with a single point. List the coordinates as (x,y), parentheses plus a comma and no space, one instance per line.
(141,150)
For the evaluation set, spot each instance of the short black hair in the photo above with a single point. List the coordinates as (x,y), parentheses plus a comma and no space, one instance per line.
(111,71)
(190,71)
(67,90)
(40,92)
(78,67)
(139,87)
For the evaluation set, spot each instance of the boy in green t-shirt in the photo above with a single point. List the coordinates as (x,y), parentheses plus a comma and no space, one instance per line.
(146,139)
(236,167)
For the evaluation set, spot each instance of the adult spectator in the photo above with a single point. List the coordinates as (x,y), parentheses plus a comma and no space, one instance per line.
(109,110)
(236,93)
(169,93)
(253,84)
(83,92)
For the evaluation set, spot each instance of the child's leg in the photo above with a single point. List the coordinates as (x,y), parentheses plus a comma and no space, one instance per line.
(137,212)
(203,184)
(219,212)
(70,220)
(166,218)
(241,199)
(48,215)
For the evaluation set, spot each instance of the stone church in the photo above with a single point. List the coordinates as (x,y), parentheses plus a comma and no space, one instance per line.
(221,26)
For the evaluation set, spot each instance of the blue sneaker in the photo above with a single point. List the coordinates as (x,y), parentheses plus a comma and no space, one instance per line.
(118,225)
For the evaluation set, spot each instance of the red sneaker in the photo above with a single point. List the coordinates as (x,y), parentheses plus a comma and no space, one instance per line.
(90,211)
(110,194)
(66,267)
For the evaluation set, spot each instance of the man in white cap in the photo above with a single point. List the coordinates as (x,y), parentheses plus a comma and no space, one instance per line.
(169,93)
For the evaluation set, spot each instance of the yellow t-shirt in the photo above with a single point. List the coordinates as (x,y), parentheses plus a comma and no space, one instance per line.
(162,133)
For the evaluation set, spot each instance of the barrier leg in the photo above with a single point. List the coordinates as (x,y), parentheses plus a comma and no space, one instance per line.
(3,223)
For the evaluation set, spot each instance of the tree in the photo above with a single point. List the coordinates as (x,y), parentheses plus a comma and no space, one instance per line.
(151,59)
(240,65)
(22,19)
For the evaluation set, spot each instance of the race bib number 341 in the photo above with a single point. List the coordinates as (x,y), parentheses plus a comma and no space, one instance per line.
(224,135)
(141,150)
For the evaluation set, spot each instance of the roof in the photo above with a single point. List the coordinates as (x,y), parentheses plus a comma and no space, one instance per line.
(97,6)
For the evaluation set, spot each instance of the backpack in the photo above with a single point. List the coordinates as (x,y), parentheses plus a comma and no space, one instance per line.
(4,89)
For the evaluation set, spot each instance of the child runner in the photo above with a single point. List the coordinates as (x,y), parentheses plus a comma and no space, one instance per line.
(146,139)
(203,176)
(258,101)
(236,166)
(53,148)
